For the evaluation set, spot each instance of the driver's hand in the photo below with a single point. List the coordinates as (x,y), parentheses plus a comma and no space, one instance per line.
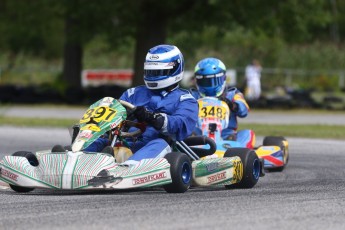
(156,120)
(141,113)
(232,105)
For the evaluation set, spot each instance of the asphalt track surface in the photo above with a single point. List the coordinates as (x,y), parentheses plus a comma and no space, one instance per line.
(308,194)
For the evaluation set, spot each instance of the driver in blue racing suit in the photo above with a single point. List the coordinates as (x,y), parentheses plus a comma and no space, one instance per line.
(168,110)
(210,76)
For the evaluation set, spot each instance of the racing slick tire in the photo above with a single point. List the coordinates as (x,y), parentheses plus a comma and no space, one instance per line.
(33,161)
(251,167)
(277,141)
(68,147)
(58,149)
(181,172)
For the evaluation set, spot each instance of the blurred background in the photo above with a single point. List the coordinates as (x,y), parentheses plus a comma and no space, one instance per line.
(77,51)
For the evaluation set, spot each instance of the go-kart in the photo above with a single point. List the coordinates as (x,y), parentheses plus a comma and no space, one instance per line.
(71,168)
(214,117)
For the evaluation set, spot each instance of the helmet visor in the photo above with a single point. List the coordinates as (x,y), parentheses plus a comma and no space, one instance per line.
(157,72)
(209,81)
(169,69)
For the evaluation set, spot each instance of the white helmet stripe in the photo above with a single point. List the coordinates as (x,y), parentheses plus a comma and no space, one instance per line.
(157,65)
(163,56)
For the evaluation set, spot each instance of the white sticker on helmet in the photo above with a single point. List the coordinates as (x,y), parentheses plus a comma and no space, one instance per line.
(157,65)
(163,56)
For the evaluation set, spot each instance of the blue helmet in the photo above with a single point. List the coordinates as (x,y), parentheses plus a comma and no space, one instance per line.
(210,77)
(163,67)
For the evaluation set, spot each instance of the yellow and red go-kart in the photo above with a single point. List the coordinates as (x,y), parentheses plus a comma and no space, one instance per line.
(214,117)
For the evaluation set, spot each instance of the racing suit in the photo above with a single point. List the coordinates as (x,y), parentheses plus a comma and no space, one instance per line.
(180,111)
(233,96)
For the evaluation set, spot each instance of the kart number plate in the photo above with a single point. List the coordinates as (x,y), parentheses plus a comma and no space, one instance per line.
(98,114)
(212,112)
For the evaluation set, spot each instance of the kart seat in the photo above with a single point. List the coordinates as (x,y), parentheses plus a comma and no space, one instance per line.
(195,146)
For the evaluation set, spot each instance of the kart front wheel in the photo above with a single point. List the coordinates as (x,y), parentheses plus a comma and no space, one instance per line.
(251,167)
(33,161)
(282,143)
(181,172)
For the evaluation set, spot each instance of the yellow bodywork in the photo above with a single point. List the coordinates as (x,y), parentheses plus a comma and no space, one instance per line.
(266,150)
(231,170)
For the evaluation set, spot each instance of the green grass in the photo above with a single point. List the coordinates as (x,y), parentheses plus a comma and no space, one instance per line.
(298,111)
(310,131)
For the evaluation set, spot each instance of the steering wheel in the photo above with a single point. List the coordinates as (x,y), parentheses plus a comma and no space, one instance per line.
(141,126)
(126,104)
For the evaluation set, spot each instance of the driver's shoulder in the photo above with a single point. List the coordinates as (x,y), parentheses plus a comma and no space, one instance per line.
(136,90)
(182,94)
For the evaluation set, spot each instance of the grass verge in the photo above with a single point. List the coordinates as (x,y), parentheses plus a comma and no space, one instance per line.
(310,131)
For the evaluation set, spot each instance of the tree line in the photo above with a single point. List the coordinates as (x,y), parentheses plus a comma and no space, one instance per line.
(61,29)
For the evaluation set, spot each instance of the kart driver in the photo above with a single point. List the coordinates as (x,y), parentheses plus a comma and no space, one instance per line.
(170,112)
(210,76)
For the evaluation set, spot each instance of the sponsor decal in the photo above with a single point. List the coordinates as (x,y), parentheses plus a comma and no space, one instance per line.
(216,177)
(106,101)
(86,134)
(212,166)
(149,178)
(238,171)
(211,156)
(9,174)
(92,127)
(154,57)
(113,125)
(116,123)
(151,63)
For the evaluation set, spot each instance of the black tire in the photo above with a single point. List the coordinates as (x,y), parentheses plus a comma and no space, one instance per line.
(68,147)
(33,161)
(251,167)
(29,156)
(277,141)
(58,149)
(181,172)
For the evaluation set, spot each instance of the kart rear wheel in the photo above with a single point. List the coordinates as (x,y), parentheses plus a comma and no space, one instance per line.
(251,167)
(33,161)
(277,141)
(181,172)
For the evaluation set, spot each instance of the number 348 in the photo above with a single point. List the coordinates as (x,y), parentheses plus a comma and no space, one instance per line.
(212,112)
